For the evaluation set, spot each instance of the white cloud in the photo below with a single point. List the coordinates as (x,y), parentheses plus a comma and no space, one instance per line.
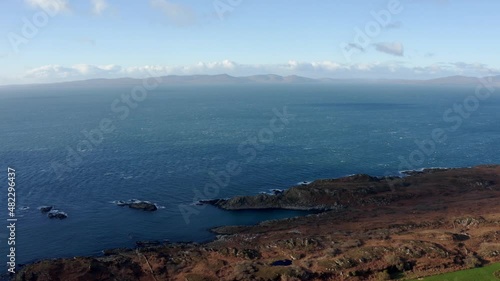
(177,14)
(394,48)
(98,6)
(79,71)
(87,71)
(328,66)
(225,64)
(50,72)
(321,66)
(49,5)
(364,66)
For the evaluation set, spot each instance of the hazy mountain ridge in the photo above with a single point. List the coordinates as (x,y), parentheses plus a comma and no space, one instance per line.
(265,79)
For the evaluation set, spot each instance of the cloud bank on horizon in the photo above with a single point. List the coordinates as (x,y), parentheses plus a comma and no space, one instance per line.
(61,40)
(323,69)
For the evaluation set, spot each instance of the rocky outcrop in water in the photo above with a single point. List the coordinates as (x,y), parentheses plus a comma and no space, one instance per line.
(56,214)
(45,209)
(138,205)
(145,206)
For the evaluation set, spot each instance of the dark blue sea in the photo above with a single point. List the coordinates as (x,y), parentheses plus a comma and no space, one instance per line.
(170,145)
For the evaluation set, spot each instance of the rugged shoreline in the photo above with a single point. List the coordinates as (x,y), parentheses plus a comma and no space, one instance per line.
(369,228)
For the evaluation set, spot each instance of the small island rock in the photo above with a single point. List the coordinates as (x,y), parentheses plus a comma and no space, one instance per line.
(143,205)
(56,214)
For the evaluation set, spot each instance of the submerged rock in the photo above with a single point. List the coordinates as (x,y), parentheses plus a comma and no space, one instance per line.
(210,201)
(137,204)
(45,209)
(56,214)
(277,191)
(121,203)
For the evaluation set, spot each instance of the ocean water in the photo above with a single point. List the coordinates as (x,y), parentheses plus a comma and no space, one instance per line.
(166,148)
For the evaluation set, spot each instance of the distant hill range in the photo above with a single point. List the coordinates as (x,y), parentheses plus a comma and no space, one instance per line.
(455,80)
(272,79)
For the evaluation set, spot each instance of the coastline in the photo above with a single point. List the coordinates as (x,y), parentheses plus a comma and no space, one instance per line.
(340,202)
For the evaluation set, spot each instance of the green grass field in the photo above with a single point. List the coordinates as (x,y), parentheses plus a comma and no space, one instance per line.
(477,274)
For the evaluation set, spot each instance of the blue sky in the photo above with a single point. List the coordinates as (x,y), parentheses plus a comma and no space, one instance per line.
(417,39)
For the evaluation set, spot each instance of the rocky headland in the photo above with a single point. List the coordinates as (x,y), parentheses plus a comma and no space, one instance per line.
(366,228)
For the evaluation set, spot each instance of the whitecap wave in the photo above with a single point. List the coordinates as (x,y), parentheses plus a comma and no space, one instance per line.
(304,183)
